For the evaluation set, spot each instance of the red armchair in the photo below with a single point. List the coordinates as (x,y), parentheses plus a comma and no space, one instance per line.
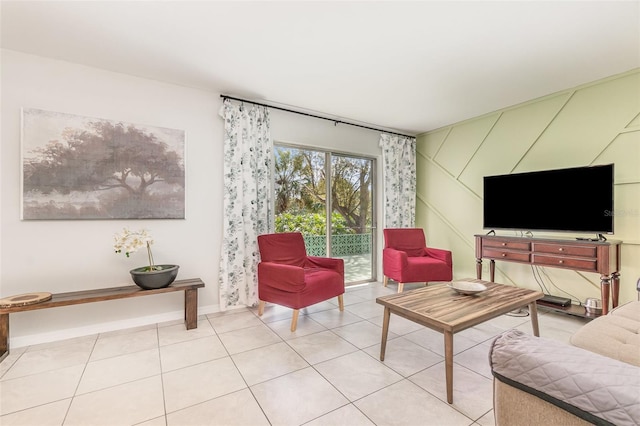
(406,258)
(288,277)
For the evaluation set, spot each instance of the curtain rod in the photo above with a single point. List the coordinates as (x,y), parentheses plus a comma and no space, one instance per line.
(314,116)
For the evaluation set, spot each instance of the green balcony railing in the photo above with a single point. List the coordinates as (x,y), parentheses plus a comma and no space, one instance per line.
(341,245)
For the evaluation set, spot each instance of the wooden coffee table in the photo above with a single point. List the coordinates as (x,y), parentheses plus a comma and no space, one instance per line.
(442,309)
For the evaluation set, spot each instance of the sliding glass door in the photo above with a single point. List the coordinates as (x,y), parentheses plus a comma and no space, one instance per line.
(351,205)
(329,198)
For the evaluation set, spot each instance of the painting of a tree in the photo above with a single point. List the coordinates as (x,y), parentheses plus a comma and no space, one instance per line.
(78,167)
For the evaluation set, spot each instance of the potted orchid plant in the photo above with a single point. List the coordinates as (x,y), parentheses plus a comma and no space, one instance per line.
(147,277)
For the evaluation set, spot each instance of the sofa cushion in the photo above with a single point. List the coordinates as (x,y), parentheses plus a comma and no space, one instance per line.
(593,387)
(286,248)
(409,240)
(616,335)
(421,267)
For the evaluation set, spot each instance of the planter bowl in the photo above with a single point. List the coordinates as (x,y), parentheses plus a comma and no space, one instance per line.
(160,277)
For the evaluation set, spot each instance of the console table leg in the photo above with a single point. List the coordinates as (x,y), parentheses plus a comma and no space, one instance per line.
(191,308)
(492,271)
(4,336)
(615,289)
(479,269)
(605,288)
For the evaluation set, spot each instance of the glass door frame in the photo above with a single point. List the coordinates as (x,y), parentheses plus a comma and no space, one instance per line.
(329,153)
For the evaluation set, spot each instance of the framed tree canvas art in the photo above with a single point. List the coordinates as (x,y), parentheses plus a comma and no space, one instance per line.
(76,167)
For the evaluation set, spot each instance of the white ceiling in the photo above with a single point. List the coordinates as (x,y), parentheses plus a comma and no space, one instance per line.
(409,66)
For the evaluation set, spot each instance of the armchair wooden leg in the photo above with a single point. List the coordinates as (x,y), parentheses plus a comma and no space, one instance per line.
(341,302)
(385,280)
(261,308)
(294,320)
(400,287)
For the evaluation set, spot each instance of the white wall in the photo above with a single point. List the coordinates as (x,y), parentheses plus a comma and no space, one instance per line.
(59,256)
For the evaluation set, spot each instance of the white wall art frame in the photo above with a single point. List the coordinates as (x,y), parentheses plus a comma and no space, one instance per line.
(76,167)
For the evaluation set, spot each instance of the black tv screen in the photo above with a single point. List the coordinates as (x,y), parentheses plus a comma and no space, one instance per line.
(578,199)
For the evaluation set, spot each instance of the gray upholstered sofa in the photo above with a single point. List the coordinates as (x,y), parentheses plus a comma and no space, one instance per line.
(594,380)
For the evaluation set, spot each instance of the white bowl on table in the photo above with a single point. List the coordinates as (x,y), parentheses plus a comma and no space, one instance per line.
(467,287)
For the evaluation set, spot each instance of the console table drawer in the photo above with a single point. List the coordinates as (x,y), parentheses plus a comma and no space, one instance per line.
(601,256)
(565,250)
(513,245)
(565,262)
(505,254)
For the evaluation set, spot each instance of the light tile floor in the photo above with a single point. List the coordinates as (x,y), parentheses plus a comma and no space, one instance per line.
(239,369)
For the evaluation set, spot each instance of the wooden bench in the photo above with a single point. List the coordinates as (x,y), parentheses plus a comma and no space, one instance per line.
(189,286)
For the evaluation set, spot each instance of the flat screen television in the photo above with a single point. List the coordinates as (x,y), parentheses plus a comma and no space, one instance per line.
(578,200)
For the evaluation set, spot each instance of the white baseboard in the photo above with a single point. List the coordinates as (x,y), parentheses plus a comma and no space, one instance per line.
(70,333)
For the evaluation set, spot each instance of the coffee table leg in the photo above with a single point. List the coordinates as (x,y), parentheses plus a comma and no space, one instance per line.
(385,332)
(533,312)
(448,364)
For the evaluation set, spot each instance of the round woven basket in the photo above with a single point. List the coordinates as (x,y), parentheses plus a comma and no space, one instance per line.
(24,299)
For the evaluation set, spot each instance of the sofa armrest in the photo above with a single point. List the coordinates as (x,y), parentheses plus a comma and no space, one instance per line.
(512,406)
(444,255)
(283,277)
(592,387)
(332,263)
(394,262)
(395,257)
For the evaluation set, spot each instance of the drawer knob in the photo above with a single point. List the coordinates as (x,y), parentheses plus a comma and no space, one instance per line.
(504,254)
(561,249)
(561,261)
(504,244)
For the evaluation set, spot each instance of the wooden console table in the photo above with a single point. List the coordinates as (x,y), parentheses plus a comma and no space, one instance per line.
(189,286)
(601,257)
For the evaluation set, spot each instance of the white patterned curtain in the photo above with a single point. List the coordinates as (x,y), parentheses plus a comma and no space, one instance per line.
(247,205)
(399,174)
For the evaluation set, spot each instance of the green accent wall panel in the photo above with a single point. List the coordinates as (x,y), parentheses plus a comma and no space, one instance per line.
(596,123)
(458,206)
(517,130)
(624,151)
(626,221)
(462,142)
(430,143)
(592,118)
